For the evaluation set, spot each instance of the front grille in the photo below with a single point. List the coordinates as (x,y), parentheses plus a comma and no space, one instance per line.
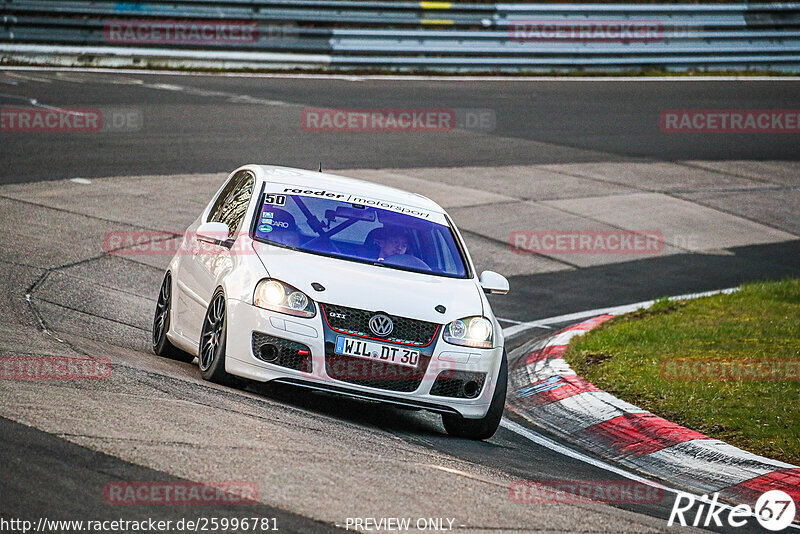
(458,384)
(356,322)
(283,352)
(374,373)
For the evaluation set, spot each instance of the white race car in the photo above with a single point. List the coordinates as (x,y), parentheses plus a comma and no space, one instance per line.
(336,285)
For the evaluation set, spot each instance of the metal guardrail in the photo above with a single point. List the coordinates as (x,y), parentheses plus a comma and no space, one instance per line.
(427,35)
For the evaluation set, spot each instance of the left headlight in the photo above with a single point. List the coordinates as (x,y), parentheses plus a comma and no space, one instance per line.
(470,332)
(277,296)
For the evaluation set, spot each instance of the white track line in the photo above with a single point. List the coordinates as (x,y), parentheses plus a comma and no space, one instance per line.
(566,451)
(615,310)
(554,446)
(36,103)
(396,77)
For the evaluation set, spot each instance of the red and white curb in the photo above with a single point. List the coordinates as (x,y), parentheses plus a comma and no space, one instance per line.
(548,393)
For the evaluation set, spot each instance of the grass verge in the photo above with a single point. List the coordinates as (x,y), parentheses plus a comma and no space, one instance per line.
(673,358)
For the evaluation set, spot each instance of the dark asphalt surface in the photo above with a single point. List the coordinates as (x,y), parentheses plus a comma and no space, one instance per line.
(48,477)
(551,294)
(209,123)
(210,127)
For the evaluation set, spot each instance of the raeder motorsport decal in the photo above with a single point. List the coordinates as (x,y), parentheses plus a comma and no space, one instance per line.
(276,193)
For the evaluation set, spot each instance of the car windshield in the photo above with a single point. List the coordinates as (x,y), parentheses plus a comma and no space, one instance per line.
(359,232)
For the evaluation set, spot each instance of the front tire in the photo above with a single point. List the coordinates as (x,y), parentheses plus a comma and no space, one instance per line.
(213,336)
(161,321)
(483,428)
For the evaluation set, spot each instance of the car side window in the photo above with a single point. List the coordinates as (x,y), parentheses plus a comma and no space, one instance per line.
(231,205)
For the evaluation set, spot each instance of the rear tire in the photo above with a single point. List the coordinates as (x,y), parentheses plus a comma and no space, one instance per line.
(161,321)
(213,336)
(483,428)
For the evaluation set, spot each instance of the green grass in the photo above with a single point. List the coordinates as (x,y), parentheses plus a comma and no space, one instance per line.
(761,321)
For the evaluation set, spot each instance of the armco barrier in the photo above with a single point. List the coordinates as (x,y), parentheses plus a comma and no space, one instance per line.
(424,35)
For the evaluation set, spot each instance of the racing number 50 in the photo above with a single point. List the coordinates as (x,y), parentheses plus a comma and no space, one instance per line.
(277,200)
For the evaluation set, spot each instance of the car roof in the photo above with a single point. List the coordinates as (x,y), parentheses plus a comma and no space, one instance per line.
(342,184)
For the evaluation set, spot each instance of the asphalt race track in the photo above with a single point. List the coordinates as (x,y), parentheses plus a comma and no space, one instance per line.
(212,124)
(557,155)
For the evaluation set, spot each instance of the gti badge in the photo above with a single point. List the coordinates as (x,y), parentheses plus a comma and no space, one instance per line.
(338,315)
(381,325)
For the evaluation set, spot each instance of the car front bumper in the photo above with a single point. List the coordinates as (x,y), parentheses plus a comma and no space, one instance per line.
(245,319)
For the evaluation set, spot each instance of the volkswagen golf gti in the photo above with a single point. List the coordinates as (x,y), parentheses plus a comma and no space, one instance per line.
(336,285)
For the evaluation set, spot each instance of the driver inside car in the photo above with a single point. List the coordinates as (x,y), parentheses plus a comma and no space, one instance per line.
(391,242)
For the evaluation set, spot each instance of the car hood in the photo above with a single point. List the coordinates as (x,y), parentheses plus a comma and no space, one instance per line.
(368,287)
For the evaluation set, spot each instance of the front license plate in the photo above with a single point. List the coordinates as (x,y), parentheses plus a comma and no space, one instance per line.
(360,348)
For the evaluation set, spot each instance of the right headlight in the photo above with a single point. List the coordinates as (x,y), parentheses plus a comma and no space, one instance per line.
(470,332)
(277,296)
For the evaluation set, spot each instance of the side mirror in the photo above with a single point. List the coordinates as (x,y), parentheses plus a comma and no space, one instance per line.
(492,282)
(213,232)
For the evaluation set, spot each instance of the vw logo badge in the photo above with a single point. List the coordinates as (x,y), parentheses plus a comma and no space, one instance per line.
(381,325)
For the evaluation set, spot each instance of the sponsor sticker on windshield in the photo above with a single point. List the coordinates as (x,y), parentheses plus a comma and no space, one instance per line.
(276,195)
